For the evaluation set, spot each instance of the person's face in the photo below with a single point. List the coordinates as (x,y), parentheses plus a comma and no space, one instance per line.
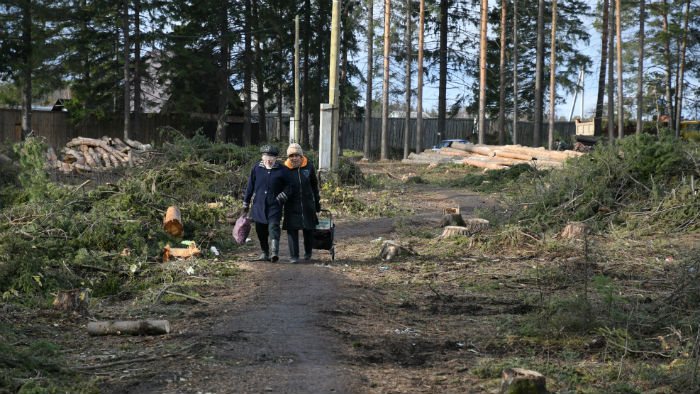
(295,159)
(268,161)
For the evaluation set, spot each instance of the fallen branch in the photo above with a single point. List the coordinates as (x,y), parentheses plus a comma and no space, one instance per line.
(188,297)
(122,362)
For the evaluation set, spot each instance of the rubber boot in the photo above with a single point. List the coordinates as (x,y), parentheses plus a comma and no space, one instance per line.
(263,257)
(274,250)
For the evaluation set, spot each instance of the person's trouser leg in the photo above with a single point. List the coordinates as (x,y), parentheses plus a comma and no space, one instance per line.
(308,243)
(261,229)
(275,232)
(293,242)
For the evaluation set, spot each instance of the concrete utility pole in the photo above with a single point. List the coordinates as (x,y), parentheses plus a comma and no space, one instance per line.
(297,100)
(328,145)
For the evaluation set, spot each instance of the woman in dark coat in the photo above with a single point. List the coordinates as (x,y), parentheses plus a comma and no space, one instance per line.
(269,186)
(301,208)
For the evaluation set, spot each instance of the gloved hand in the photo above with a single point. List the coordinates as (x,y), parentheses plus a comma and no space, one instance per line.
(246,208)
(281,198)
(318,206)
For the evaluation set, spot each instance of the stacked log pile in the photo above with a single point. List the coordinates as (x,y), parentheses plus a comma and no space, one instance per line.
(93,155)
(494,157)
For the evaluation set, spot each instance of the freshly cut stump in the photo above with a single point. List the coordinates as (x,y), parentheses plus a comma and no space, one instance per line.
(523,381)
(471,227)
(574,230)
(74,300)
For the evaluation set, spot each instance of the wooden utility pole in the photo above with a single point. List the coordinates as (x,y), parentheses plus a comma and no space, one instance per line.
(482,69)
(640,70)
(368,91)
(419,102)
(611,79)
(297,96)
(127,78)
(620,95)
(333,91)
(681,71)
(385,85)
(552,75)
(502,77)
(539,70)
(407,124)
(515,72)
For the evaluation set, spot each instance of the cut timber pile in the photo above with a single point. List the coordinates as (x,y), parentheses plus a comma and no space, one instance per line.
(494,157)
(93,155)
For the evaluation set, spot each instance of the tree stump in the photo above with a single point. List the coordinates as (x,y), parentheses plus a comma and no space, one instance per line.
(131,327)
(523,381)
(74,300)
(452,219)
(172,222)
(574,230)
(392,249)
(471,227)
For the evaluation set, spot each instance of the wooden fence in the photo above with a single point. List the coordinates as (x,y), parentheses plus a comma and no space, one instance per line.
(57,129)
(352,133)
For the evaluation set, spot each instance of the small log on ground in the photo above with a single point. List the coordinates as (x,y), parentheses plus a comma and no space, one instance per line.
(183,253)
(74,300)
(130,327)
(172,222)
(138,145)
(574,230)
(523,381)
(393,249)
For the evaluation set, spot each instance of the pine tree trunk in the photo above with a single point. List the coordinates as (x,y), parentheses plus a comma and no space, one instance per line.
(385,85)
(482,69)
(502,77)
(259,76)
(515,72)
(127,76)
(442,76)
(667,64)
(539,70)
(611,80)
(368,90)
(247,77)
(136,128)
(27,69)
(408,43)
(681,71)
(222,73)
(419,99)
(640,70)
(278,131)
(305,105)
(552,75)
(598,120)
(620,95)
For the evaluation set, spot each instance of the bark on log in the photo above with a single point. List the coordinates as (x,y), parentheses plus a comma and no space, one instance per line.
(73,156)
(484,164)
(542,153)
(130,327)
(96,143)
(74,300)
(172,222)
(478,149)
(393,249)
(512,155)
(138,145)
(50,154)
(105,156)
(523,381)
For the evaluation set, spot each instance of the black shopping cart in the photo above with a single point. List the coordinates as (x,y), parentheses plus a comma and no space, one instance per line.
(324,233)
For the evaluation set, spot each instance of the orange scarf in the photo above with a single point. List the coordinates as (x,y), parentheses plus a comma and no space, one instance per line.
(289,165)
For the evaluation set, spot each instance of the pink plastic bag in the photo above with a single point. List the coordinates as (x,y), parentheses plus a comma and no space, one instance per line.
(241,229)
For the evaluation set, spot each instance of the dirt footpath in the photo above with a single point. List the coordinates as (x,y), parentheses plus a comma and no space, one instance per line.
(276,330)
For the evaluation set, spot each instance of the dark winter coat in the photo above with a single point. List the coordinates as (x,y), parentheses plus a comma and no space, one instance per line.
(300,210)
(271,189)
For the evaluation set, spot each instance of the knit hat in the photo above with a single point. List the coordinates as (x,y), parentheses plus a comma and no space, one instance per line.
(294,148)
